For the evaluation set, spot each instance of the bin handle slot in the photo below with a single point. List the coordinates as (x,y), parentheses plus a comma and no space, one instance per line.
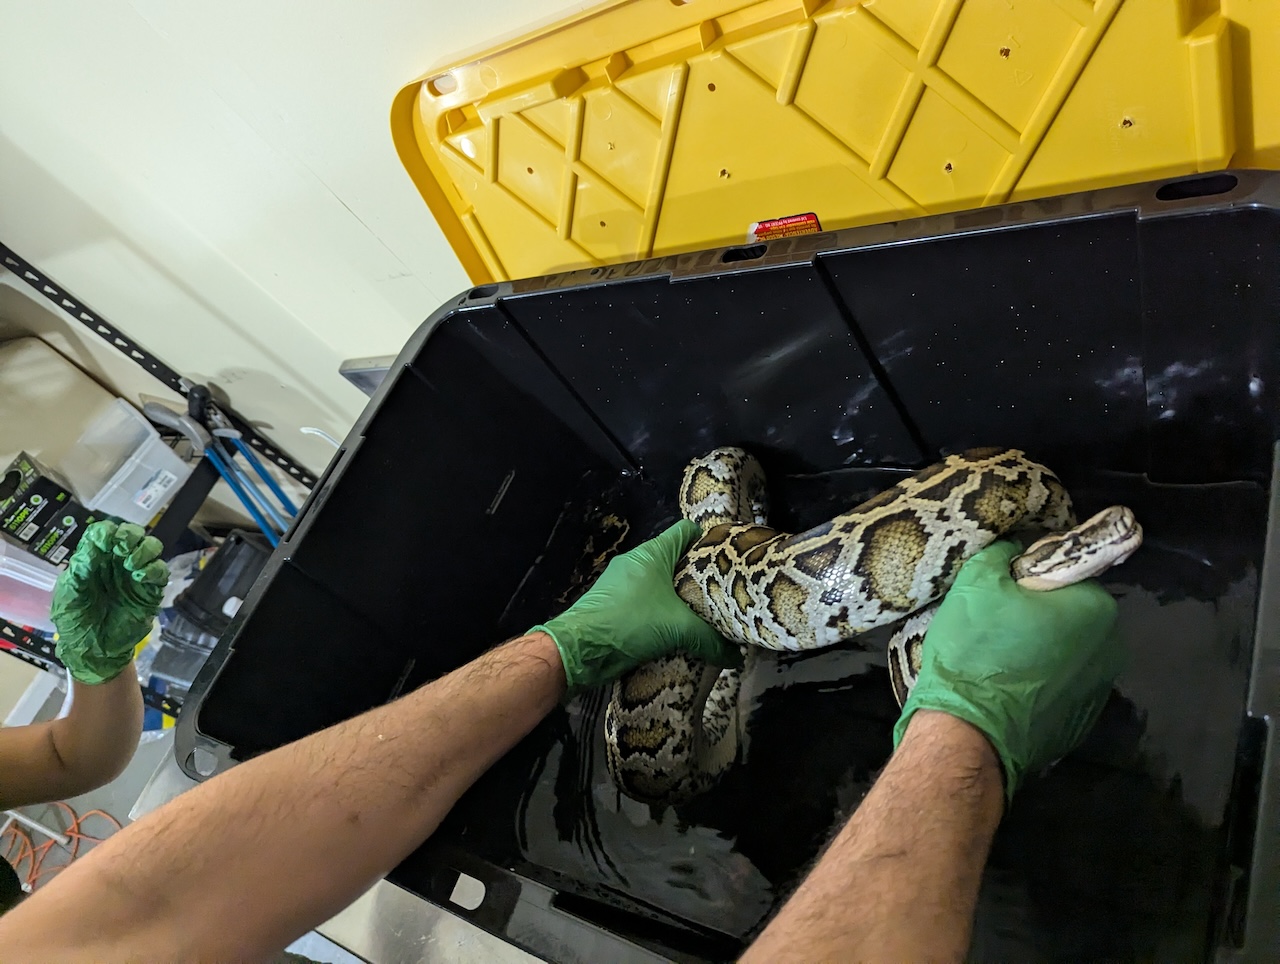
(749,253)
(1210,184)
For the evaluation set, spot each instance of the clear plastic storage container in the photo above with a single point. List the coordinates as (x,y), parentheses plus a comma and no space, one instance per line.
(26,587)
(121,467)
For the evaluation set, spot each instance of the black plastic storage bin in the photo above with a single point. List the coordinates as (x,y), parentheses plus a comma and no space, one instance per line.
(1127,338)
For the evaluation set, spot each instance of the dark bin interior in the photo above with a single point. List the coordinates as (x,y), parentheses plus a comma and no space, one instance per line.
(531,429)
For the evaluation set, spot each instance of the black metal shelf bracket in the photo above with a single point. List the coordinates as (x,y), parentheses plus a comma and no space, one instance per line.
(109,333)
(40,653)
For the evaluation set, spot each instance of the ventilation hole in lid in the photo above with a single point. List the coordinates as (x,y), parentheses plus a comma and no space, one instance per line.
(444,84)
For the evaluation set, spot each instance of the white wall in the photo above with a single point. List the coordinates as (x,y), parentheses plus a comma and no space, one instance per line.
(218,180)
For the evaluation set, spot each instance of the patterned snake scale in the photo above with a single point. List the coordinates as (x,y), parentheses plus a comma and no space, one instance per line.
(672,726)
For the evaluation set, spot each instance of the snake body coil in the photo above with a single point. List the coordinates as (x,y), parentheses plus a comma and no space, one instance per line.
(672,726)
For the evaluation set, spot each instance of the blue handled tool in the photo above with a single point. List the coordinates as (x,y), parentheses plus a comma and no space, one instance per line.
(209,431)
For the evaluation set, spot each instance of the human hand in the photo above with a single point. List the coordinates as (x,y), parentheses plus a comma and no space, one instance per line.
(1030,669)
(105,600)
(632,615)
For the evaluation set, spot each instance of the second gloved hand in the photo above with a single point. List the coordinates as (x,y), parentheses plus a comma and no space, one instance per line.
(105,600)
(1030,669)
(632,615)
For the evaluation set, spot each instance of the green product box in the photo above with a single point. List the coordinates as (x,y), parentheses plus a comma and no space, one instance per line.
(39,512)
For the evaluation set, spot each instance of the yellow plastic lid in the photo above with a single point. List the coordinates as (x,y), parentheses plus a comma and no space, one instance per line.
(651,127)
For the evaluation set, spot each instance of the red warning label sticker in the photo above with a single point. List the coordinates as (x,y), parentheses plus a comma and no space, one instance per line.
(788,227)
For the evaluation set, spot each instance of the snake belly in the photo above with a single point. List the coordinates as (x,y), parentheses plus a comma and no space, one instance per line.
(672,726)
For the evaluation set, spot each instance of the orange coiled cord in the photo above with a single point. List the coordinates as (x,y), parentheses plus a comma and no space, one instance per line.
(29,859)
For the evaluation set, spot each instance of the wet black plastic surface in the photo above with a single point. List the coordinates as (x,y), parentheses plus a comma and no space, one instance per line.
(1119,852)
(1211,303)
(1115,853)
(1003,334)
(528,436)
(774,366)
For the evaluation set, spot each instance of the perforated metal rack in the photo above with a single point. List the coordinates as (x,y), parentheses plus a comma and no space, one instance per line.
(36,650)
(129,347)
(39,652)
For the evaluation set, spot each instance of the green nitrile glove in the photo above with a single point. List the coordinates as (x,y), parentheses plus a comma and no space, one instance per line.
(105,600)
(633,615)
(1030,669)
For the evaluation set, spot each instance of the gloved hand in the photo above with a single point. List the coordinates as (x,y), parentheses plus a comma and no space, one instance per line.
(632,615)
(1029,669)
(105,600)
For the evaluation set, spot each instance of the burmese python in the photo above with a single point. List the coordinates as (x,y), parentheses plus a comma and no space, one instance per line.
(672,725)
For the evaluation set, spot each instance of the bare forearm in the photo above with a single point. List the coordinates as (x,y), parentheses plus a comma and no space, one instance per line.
(363,794)
(97,739)
(900,881)
(78,753)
